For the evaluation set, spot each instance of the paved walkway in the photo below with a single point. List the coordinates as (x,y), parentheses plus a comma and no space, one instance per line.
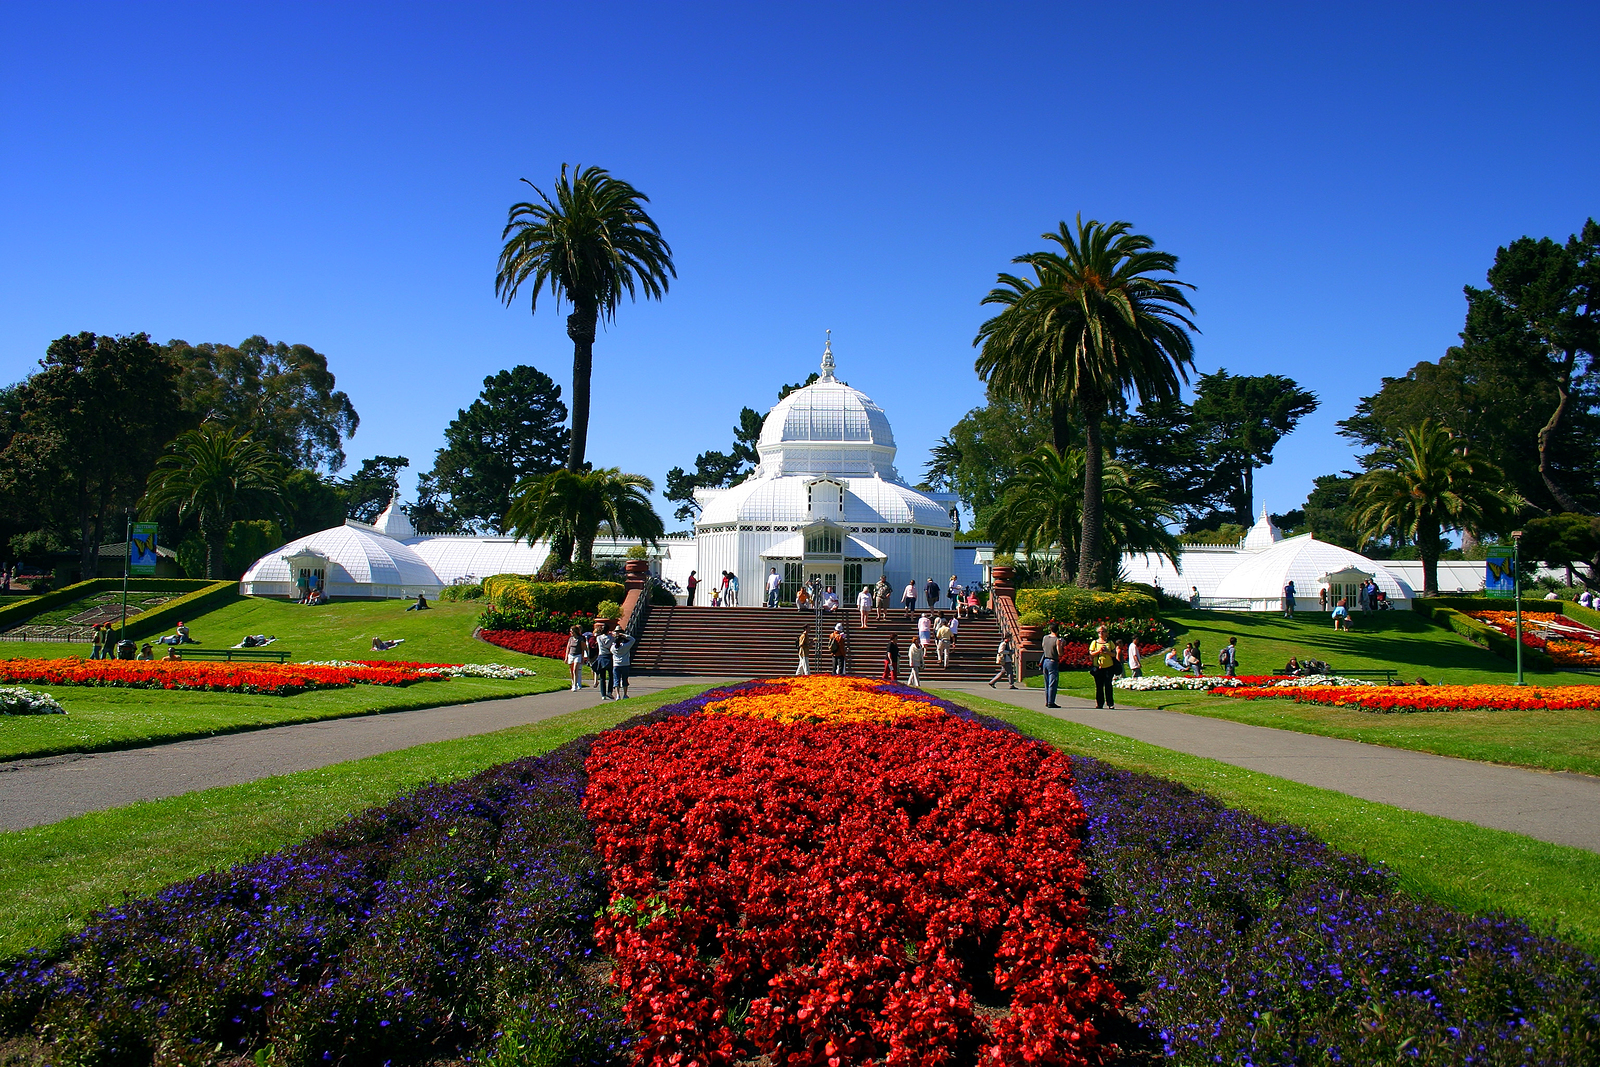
(39,791)
(1552,806)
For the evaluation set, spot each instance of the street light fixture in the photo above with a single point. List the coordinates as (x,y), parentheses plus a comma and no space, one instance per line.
(1516,578)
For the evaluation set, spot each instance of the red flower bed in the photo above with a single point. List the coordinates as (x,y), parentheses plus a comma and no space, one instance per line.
(1076,656)
(274,679)
(832,895)
(529,642)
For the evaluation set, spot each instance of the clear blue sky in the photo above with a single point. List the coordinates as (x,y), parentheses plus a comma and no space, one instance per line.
(338,175)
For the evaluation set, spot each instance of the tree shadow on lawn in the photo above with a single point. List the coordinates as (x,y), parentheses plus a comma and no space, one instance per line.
(1396,639)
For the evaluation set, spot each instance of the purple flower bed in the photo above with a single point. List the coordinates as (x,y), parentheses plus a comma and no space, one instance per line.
(1242,942)
(455,917)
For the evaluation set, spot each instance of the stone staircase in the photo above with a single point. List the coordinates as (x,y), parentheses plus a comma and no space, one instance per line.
(760,642)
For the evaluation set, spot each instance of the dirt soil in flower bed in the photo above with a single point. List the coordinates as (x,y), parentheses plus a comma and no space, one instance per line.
(459,918)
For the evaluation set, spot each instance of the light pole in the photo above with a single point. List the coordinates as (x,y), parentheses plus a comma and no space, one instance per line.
(127,562)
(1516,577)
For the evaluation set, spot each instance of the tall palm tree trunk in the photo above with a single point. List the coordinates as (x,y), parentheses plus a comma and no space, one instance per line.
(216,548)
(1428,551)
(1061,426)
(581,328)
(1089,544)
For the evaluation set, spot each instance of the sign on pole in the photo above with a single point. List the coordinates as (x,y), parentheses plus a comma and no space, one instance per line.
(142,556)
(1499,578)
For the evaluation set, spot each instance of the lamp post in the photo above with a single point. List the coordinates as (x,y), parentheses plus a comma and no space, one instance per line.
(127,563)
(1516,577)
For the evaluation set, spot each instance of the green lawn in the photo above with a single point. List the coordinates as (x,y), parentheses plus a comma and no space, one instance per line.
(101,719)
(1553,888)
(53,877)
(1549,740)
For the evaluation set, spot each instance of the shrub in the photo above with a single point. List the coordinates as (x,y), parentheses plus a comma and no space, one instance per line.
(661,596)
(462,591)
(608,609)
(493,618)
(514,592)
(1070,605)
(1032,618)
(638,552)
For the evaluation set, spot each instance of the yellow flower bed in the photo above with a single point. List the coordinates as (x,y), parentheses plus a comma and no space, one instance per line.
(823,699)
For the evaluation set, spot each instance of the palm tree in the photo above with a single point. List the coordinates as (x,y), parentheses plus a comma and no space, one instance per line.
(1041,506)
(564,504)
(1091,326)
(590,245)
(1427,486)
(216,476)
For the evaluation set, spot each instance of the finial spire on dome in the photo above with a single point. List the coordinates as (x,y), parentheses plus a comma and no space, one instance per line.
(827,358)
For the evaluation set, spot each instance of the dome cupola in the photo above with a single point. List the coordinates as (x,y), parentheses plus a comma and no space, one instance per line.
(827,428)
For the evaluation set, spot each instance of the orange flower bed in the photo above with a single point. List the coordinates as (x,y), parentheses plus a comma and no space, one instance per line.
(1568,643)
(273,679)
(825,699)
(1403,698)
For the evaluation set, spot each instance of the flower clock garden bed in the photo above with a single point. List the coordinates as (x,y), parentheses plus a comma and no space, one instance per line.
(808,873)
(1567,642)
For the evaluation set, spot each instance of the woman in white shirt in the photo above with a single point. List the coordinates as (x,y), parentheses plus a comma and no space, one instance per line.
(864,603)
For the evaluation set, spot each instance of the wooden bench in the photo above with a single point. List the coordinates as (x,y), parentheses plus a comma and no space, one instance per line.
(1385,673)
(234,655)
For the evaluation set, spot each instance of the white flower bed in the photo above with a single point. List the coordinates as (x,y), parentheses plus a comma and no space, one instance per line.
(452,670)
(1157,682)
(15,700)
(1318,679)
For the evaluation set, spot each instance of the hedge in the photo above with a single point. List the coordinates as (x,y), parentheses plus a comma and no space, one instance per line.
(1450,612)
(514,592)
(14,615)
(209,597)
(1066,604)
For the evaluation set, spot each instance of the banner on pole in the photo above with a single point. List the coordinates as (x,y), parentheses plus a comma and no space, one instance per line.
(1499,580)
(142,558)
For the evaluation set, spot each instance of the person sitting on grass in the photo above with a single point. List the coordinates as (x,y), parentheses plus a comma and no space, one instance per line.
(1292,668)
(1173,660)
(420,605)
(1191,659)
(380,645)
(179,636)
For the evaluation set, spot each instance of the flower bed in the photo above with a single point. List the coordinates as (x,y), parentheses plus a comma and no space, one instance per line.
(529,642)
(1568,643)
(1404,698)
(1075,656)
(498,671)
(15,700)
(273,679)
(853,886)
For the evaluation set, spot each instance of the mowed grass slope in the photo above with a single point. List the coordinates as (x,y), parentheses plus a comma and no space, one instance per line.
(99,719)
(1399,640)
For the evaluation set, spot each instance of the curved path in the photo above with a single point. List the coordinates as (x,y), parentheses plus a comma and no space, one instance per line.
(1558,807)
(38,791)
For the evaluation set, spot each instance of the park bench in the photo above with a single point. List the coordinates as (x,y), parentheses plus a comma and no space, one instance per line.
(1388,675)
(235,655)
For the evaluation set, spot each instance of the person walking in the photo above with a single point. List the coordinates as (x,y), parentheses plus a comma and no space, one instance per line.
(1288,599)
(1005,659)
(803,646)
(1103,668)
(839,648)
(774,583)
(690,586)
(621,664)
(941,637)
(605,644)
(96,642)
(953,593)
(1135,660)
(1228,658)
(955,629)
(891,659)
(575,657)
(925,630)
(930,593)
(908,599)
(864,604)
(880,599)
(1049,664)
(916,657)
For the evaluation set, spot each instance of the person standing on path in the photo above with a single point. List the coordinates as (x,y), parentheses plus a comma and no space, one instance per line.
(916,657)
(1288,599)
(1322,598)
(774,583)
(606,644)
(941,638)
(880,599)
(1135,660)
(575,657)
(864,604)
(909,598)
(1103,668)
(891,659)
(930,593)
(690,586)
(803,646)
(1049,665)
(838,648)
(1005,658)
(621,664)
(1228,658)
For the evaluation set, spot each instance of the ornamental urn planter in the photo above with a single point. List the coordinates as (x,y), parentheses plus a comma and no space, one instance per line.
(604,626)
(1029,636)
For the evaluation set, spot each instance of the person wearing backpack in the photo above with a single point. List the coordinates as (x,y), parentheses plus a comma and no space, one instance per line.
(1228,658)
(838,648)
(1103,668)
(621,664)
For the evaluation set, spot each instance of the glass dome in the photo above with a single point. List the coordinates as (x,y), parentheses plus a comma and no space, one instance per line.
(827,428)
